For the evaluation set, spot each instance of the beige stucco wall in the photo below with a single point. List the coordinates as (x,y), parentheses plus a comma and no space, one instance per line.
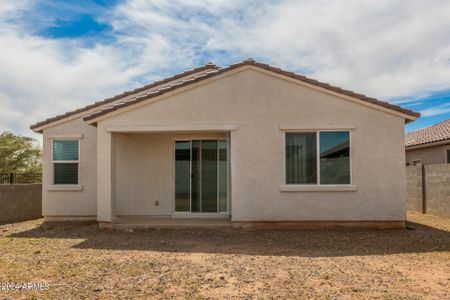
(428,155)
(75,203)
(257,104)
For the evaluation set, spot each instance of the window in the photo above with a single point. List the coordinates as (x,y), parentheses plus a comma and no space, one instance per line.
(448,156)
(65,159)
(301,158)
(321,157)
(335,157)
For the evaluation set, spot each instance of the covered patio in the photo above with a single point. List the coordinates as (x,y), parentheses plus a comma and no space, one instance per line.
(164,176)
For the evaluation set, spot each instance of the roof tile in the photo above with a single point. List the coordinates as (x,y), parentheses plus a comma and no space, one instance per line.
(436,133)
(211,70)
(208,66)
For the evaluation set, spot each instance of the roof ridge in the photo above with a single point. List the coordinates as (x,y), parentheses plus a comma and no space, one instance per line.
(215,70)
(420,129)
(252,62)
(187,72)
(438,132)
(429,126)
(334,88)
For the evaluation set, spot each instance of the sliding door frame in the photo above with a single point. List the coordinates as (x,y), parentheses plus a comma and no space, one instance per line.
(190,214)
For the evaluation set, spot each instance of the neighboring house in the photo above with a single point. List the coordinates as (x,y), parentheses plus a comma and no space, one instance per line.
(248,142)
(430,145)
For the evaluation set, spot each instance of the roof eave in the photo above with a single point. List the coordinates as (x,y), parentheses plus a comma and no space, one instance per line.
(429,144)
(40,126)
(410,118)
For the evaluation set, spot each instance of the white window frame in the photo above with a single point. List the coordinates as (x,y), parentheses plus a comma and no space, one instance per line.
(285,187)
(446,149)
(54,186)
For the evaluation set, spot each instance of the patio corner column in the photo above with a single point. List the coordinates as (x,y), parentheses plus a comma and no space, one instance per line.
(105,178)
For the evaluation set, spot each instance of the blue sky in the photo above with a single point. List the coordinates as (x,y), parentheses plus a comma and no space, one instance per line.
(60,55)
(75,20)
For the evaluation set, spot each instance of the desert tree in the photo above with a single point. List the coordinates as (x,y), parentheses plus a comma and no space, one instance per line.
(19,153)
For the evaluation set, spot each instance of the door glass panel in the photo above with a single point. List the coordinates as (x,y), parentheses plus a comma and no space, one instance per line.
(201,176)
(195,177)
(209,155)
(223,176)
(182,176)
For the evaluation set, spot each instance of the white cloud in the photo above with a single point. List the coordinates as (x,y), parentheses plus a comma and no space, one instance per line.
(437,110)
(384,48)
(41,77)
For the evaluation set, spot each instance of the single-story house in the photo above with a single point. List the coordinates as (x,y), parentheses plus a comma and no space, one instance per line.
(430,145)
(248,142)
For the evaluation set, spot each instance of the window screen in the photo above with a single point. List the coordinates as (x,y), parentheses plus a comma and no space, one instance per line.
(65,161)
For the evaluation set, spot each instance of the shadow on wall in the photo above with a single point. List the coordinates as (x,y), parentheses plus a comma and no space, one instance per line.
(304,243)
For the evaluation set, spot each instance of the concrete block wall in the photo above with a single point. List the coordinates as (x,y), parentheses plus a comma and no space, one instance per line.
(414,188)
(437,179)
(20,202)
(437,189)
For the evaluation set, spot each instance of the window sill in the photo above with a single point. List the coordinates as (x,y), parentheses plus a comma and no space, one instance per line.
(317,188)
(64,187)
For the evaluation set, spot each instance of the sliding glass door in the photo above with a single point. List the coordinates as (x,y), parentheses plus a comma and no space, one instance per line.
(201,176)
(182,176)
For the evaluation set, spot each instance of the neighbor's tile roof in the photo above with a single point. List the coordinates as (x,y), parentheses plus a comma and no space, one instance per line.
(436,133)
(120,101)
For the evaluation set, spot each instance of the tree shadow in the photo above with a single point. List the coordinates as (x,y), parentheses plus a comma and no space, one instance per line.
(264,242)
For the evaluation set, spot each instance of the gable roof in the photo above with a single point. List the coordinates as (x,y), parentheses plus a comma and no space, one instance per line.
(437,133)
(162,82)
(210,70)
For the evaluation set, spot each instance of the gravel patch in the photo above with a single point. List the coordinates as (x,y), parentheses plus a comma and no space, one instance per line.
(81,261)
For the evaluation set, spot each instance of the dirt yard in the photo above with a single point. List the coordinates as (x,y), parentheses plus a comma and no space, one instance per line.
(84,262)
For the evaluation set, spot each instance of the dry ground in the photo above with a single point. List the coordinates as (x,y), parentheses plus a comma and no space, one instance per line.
(84,262)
